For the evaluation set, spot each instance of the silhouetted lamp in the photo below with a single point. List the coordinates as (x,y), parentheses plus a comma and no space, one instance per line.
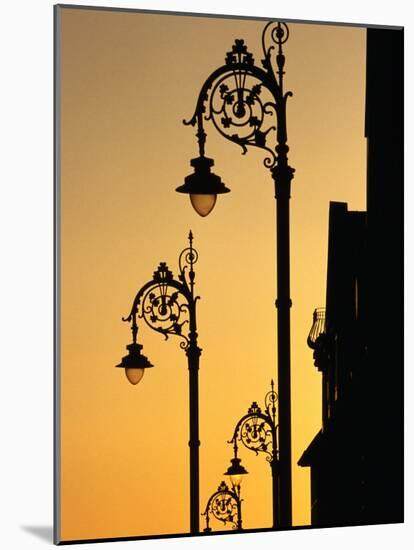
(203,186)
(236,471)
(134,363)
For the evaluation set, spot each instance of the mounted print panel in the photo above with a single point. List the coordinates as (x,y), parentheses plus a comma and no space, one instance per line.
(229,219)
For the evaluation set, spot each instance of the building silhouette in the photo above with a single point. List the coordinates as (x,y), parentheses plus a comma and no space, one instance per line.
(356,459)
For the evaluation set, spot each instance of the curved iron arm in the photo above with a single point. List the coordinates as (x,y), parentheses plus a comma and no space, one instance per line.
(241,113)
(165,303)
(257,430)
(228,71)
(254,435)
(224,505)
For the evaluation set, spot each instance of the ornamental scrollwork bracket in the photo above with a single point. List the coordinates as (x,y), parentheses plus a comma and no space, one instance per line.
(243,100)
(166,303)
(257,430)
(224,506)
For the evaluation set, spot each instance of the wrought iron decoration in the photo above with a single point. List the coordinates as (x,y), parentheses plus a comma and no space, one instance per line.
(166,304)
(225,506)
(238,96)
(257,429)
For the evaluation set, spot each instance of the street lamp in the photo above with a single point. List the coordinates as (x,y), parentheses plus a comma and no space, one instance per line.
(257,430)
(236,471)
(203,186)
(246,105)
(167,304)
(134,362)
(225,503)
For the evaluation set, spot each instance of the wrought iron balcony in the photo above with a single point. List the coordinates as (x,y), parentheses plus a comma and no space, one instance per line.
(318,326)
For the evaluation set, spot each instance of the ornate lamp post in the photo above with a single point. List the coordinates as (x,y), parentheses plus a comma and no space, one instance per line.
(246,105)
(167,304)
(225,503)
(257,431)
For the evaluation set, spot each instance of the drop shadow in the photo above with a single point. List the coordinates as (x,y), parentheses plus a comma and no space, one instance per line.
(44,532)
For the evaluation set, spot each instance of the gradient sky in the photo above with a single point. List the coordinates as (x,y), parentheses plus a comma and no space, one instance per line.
(127,82)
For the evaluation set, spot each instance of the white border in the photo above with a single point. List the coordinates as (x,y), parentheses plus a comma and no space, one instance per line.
(26,314)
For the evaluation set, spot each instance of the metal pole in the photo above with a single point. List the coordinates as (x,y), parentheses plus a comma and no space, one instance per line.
(275,493)
(282,175)
(193,355)
(239,511)
(275,481)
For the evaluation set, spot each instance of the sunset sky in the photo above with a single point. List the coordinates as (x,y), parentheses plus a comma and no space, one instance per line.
(127,82)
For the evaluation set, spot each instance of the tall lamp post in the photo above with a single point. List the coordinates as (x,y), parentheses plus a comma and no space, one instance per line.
(167,304)
(257,430)
(246,104)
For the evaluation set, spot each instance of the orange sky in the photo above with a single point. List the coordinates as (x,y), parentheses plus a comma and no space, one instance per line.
(127,81)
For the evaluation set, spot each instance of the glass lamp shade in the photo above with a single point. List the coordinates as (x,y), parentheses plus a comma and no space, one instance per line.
(203,204)
(134,375)
(134,363)
(203,186)
(236,471)
(236,480)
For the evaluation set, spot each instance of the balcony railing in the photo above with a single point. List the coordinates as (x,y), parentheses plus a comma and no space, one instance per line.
(318,326)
